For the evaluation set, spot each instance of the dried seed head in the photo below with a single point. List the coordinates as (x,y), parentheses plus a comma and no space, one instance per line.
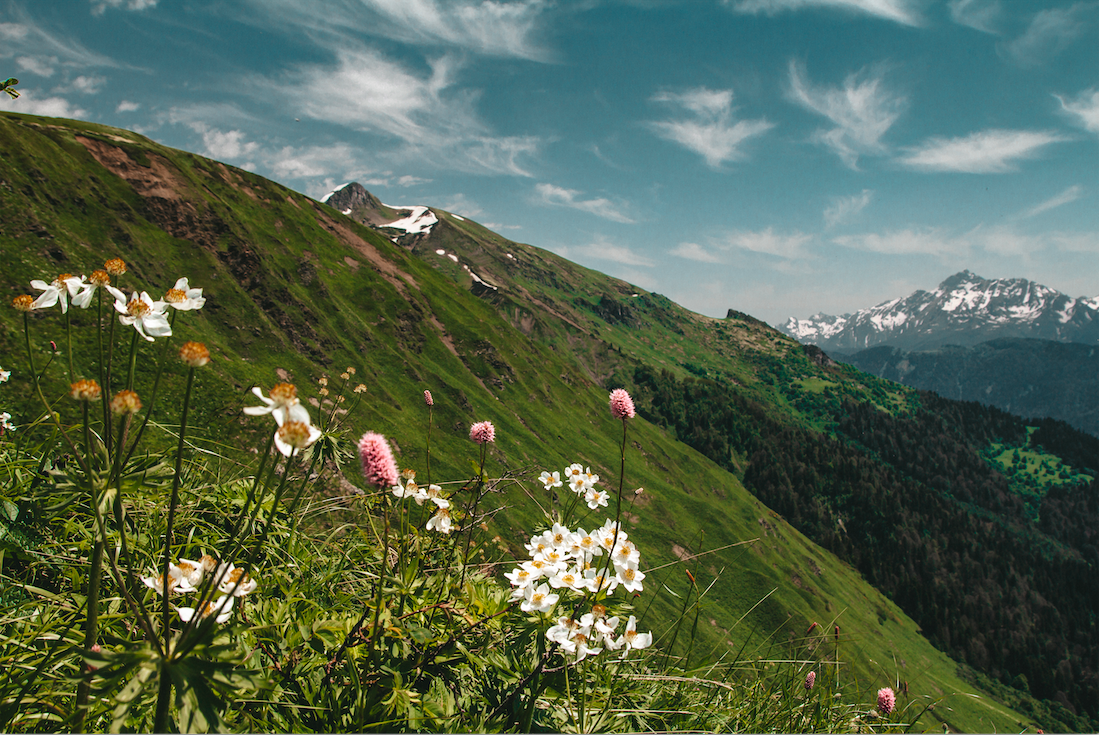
(99,278)
(85,390)
(194,354)
(125,401)
(23,302)
(115,266)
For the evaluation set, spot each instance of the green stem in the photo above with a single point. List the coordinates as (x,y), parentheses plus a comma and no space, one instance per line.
(163,698)
(69,343)
(91,626)
(380,585)
(133,362)
(153,396)
(164,607)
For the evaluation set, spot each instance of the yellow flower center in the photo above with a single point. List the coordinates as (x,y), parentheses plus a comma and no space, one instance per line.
(99,278)
(175,296)
(23,302)
(284,394)
(295,434)
(137,307)
(194,354)
(115,266)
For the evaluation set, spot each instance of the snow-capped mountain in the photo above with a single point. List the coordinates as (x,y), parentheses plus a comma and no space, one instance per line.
(362,206)
(964,310)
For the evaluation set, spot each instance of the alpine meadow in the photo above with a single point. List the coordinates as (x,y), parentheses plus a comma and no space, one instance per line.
(271,464)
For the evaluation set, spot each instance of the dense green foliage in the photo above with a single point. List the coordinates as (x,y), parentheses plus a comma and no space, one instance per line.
(911,504)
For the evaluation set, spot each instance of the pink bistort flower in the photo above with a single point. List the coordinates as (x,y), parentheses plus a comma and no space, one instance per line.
(428,401)
(810,680)
(483,432)
(622,404)
(887,700)
(379,467)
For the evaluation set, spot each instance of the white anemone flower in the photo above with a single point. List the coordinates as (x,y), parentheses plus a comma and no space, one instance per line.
(220,609)
(183,297)
(595,498)
(60,289)
(293,436)
(550,481)
(190,571)
(520,577)
(143,314)
(283,404)
(631,639)
(569,578)
(538,599)
(440,521)
(630,576)
(177,581)
(233,581)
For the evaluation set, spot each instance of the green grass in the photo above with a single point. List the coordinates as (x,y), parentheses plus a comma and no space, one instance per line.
(296,291)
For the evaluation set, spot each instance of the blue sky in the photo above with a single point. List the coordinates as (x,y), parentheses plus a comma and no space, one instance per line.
(778,157)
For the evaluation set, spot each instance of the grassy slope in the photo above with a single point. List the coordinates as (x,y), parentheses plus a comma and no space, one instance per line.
(295,286)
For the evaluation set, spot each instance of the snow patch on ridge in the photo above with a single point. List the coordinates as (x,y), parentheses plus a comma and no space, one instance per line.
(420,220)
(328,196)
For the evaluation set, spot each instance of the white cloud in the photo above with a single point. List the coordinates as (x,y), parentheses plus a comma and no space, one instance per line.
(1085,108)
(43,66)
(843,209)
(127,106)
(711,132)
(981,15)
(436,122)
(786,246)
(84,85)
(608,251)
(862,110)
(988,242)
(898,11)
(227,145)
(694,251)
(561,197)
(985,152)
(100,6)
(36,46)
(29,103)
(932,242)
(480,26)
(1067,196)
(316,161)
(1049,33)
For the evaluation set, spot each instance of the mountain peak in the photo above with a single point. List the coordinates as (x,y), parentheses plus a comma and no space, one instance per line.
(966,309)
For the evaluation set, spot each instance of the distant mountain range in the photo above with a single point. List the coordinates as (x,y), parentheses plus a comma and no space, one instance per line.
(964,310)
(1033,378)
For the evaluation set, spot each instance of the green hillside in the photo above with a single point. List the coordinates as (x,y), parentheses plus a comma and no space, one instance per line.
(297,291)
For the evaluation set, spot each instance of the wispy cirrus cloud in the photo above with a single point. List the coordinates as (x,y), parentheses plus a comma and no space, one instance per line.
(490,28)
(787,246)
(1000,241)
(1067,196)
(599,206)
(428,112)
(984,152)
(710,128)
(1050,32)
(862,110)
(981,15)
(898,11)
(694,251)
(100,6)
(844,209)
(1084,109)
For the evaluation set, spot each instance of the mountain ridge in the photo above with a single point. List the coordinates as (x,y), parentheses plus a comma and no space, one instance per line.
(965,309)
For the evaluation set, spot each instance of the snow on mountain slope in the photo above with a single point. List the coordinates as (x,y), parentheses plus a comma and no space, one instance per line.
(965,309)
